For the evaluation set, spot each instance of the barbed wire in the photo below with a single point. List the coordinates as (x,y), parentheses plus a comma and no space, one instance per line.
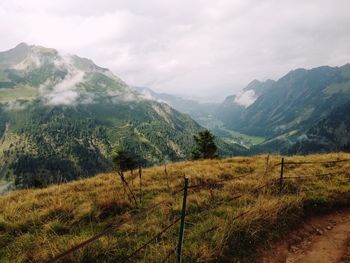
(105,232)
(309,176)
(216,183)
(313,162)
(210,184)
(159,234)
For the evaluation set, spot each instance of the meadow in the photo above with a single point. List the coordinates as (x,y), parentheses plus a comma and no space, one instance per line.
(234,206)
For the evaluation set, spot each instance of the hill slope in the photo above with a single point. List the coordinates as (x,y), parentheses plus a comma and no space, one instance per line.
(229,211)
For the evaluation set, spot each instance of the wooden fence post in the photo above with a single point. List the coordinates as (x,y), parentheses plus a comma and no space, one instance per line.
(281,176)
(167,176)
(125,183)
(182,224)
(267,164)
(140,177)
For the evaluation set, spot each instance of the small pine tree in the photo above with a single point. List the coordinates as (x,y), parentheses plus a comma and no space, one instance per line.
(124,161)
(205,146)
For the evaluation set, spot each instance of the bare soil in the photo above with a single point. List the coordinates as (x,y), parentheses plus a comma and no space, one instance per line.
(321,239)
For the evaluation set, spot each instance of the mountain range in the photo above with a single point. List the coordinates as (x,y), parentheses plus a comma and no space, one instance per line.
(62,116)
(303,112)
(303,106)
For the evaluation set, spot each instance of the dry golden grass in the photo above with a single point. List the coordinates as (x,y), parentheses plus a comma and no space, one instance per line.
(36,225)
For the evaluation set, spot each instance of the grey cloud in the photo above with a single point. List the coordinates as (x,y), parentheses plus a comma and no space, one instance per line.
(198,47)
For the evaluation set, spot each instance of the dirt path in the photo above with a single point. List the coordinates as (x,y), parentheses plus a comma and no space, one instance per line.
(321,239)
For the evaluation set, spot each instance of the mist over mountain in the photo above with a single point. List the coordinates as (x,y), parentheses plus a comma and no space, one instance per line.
(201,112)
(64,116)
(58,79)
(279,116)
(271,116)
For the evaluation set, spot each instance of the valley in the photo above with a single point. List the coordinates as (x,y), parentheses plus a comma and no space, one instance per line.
(282,116)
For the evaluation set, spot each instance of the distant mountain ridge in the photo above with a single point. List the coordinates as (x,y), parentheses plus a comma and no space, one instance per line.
(287,108)
(278,116)
(283,112)
(201,112)
(233,106)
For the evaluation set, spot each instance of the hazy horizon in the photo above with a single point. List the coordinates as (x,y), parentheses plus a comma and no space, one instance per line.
(194,49)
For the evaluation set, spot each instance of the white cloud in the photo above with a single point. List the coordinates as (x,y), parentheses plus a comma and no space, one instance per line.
(198,47)
(66,91)
(246,98)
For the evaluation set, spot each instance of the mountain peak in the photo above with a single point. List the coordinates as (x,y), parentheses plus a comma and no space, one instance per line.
(59,79)
(86,64)
(259,87)
(252,85)
(21,45)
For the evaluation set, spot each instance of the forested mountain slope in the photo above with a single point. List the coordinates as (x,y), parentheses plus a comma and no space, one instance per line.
(61,117)
(296,101)
(332,134)
(286,110)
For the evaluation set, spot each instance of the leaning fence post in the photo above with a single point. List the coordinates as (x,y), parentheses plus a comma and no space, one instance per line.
(182,224)
(140,177)
(281,176)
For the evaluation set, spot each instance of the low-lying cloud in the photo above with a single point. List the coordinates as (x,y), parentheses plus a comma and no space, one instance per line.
(246,98)
(76,87)
(65,91)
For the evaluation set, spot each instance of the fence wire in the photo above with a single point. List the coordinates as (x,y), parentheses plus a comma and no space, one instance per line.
(208,185)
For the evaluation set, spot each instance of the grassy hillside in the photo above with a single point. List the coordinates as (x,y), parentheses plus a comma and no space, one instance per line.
(228,215)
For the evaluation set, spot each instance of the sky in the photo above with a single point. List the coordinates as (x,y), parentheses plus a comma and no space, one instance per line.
(199,48)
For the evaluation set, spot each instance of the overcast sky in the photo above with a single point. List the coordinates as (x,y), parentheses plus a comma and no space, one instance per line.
(196,47)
